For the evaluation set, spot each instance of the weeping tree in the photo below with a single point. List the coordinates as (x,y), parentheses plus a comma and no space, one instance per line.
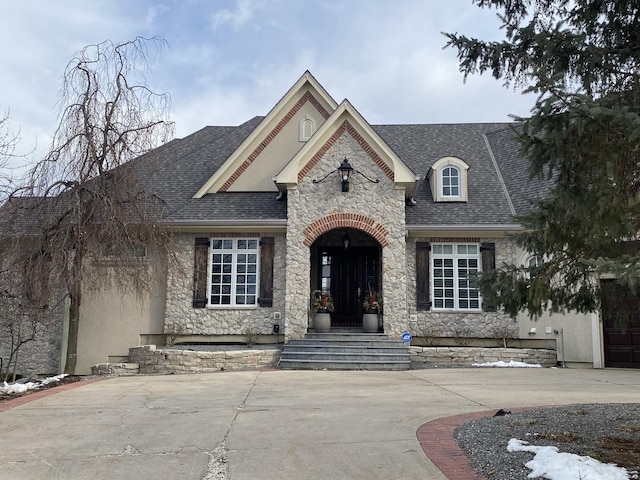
(94,216)
(8,143)
(582,60)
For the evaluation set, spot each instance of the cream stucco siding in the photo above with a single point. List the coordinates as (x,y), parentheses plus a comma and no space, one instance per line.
(112,321)
(258,176)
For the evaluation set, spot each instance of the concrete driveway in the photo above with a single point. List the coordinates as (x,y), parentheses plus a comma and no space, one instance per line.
(271,424)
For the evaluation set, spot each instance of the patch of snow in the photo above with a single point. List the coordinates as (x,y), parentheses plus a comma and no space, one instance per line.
(511,364)
(552,464)
(19,388)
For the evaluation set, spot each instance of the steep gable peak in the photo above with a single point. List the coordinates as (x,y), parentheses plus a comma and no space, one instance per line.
(250,167)
(346,120)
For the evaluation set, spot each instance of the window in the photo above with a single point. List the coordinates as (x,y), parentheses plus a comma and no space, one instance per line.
(450,182)
(452,266)
(233,268)
(534,262)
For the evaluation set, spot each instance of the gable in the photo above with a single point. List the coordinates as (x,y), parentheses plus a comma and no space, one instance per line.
(345,120)
(276,139)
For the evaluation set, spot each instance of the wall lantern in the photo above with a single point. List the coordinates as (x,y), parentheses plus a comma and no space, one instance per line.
(346,241)
(346,170)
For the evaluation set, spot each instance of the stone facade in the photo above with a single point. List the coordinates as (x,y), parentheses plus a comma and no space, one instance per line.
(458,324)
(183,319)
(166,361)
(378,207)
(427,357)
(40,357)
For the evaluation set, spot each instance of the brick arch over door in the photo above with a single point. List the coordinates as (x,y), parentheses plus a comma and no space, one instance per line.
(346,220)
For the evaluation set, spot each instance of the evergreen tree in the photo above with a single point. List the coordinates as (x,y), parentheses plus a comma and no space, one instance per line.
(582,59)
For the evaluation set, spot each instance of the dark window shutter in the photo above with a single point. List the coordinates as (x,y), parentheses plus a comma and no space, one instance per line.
(200,265)
(423,301)
(266,272)
(488,251)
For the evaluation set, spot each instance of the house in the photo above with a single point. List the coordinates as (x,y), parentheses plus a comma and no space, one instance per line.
(313,197)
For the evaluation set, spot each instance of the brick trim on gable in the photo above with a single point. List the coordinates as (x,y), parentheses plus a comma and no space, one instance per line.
(346,220)
(307,97)
(348,128)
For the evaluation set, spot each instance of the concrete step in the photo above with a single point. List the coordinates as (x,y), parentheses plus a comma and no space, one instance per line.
(362,356)
(379,349)
(345,351)
(341,365)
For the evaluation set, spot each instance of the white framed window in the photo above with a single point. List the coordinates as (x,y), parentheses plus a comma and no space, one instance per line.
(234,272)
(450,182)
(452,266)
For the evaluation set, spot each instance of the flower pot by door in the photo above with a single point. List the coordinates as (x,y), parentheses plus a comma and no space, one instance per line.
(322,322)
(370,322)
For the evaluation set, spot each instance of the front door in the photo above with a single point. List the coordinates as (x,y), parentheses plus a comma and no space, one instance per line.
(621,343)
(349,274)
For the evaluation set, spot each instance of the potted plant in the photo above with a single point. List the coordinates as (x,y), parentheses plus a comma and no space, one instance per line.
(372,306)
(322,305)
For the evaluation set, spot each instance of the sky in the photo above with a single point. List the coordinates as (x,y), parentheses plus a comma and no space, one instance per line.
(230,60)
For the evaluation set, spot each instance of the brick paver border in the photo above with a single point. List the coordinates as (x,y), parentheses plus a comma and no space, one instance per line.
(30,397)
(437,442)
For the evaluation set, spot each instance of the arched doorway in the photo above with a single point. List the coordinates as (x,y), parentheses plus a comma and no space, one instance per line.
(346,262)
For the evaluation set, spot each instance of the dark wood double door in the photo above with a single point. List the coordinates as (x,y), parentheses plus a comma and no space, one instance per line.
(348,274)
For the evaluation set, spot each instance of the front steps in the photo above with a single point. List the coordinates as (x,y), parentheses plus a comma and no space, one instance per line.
(345,351)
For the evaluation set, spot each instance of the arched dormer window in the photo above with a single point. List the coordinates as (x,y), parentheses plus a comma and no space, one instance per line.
(307,128)
(448,180)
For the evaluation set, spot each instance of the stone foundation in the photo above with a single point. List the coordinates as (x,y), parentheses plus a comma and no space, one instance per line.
(166,361)
(117,369)
(426,357)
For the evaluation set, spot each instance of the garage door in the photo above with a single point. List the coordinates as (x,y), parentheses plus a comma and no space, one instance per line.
(621,345)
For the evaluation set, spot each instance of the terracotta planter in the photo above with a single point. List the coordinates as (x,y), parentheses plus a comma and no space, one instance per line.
(322,322)
(370,322)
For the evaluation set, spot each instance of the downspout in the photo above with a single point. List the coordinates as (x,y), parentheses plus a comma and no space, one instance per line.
(561,333)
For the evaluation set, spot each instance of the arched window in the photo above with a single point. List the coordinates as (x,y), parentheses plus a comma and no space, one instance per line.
(535,261)
(450,182)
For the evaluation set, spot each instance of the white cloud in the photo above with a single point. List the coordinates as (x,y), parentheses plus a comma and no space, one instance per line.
(232,60)
(238,17)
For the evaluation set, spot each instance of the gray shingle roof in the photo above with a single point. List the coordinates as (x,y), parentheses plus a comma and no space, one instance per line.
(181,168)
(515,170)
(420,146)
(175,172)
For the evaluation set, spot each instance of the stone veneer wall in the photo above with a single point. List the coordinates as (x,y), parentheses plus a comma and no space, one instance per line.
(166,361)
(40,357)
(426,357)
(180,316)
(458,324)
(380,203)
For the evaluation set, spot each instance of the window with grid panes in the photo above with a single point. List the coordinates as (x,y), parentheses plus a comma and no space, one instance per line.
(234,272)
(450,182)
(452,266)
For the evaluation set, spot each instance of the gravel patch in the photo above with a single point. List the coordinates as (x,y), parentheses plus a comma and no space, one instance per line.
(609,433)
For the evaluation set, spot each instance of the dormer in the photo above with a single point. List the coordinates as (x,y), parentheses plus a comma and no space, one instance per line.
(448,180)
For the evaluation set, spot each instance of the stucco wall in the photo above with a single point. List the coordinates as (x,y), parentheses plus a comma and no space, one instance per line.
(182,318)
(112,321)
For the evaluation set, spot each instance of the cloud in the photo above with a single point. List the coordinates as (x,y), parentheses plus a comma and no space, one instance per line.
(238,17)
